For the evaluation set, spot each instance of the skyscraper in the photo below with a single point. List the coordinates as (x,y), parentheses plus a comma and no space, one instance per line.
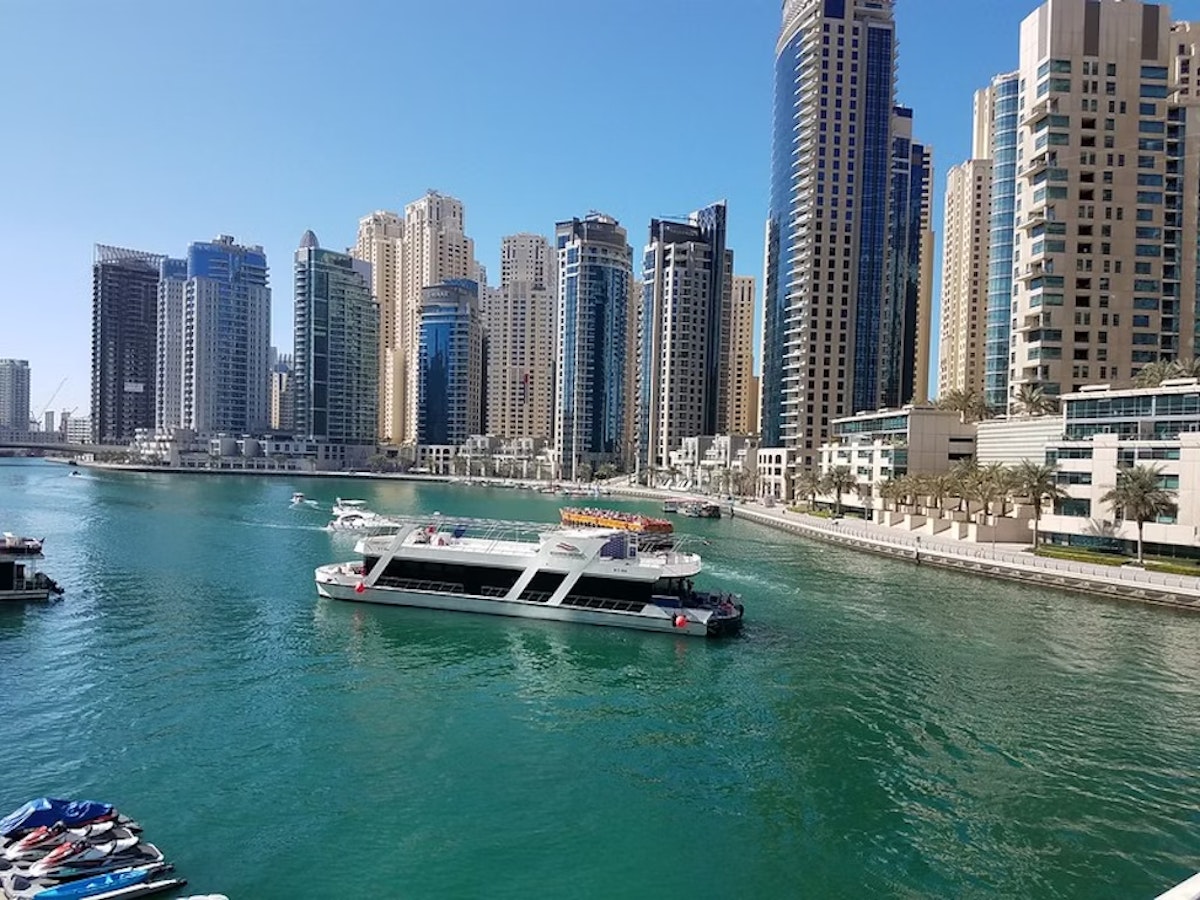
(519,324)
(1106,220)
(282,395)
(595,265)
(380,243)
(966,230)
(826,303)
(449,364)
(743,415)
(226,338)
(336,350)
(14,397)
(906,313)
(999,106)
(124,342)
(168,371)
(435,249)
(683,352)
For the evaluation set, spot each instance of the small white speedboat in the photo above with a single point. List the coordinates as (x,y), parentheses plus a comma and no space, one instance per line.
(298,499)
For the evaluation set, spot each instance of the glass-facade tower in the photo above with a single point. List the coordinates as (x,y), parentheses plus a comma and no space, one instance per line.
(336,347)
(828,226)
(1005,114)
(449,364)
(591,411)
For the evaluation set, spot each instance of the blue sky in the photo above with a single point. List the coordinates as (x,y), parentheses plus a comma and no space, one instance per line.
(150,124)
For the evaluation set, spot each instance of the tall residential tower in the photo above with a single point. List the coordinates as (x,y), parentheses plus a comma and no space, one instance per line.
(124,342)
(683,364)
(1107,191)
(519,322)
(336,350)
(839,275)
(595,272)
(14,397)
(380,242)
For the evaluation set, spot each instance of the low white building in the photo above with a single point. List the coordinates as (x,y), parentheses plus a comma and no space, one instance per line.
(888,443)
(776,470)
(1011,441)
(714,462)
(1103,431)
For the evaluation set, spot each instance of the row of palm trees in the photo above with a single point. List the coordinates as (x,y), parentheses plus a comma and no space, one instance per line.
(1032,400)
(1138,494)
(1156,373)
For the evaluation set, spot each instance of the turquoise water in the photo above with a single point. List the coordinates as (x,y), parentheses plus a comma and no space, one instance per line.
(878,730)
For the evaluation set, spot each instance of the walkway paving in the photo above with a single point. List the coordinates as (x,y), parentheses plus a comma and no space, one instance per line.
(1006,561)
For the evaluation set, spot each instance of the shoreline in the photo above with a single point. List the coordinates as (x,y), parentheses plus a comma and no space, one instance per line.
(1005,562)
(1002,563)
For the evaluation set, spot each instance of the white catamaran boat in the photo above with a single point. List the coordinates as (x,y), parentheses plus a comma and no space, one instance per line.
(595,576)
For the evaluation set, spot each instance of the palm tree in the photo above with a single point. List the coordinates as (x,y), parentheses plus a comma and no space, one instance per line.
(1186,368)
(938,487)
(890,490)
(606,471)
(1034,401)
(837,481)
(585,471)
(1036,482)
(999,479)
(1153,374)
(807,483)
(1156,373)
(1139,495)
(969,404)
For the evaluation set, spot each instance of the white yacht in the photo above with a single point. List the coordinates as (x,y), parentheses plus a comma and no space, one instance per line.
(595,576)
(354,516)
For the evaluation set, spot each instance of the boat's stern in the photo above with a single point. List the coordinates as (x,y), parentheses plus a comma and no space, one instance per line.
(726,620)
(336,579)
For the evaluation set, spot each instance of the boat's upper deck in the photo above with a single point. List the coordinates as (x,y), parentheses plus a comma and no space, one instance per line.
(607,551)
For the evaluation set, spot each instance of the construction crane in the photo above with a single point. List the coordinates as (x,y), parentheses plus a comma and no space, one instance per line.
(42,416)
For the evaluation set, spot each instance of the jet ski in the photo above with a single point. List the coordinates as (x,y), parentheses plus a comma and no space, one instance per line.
(101,884)
(77,853)
(34,843)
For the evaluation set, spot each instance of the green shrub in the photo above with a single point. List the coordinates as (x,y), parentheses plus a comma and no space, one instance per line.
(1077,554)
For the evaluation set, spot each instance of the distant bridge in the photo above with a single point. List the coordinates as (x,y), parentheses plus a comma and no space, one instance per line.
(60,446)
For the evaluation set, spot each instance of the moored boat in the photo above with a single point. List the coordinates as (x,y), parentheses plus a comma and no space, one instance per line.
(19,575)
(670,506)
(63,849)
(701,509)
(589,575)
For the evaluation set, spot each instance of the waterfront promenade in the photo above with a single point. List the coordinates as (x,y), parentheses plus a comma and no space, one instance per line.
(1004,561)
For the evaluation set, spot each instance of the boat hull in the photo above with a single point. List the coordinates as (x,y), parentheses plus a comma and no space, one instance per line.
(341,587)
(37,595)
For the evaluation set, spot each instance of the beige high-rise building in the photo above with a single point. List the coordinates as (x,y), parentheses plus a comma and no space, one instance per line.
(742,418)
(961,347)
(756,403)
(379,242)
(434,249)
(1106,217)
(519,318)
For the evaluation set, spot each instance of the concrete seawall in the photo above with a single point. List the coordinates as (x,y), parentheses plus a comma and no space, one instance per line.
(1118,582)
